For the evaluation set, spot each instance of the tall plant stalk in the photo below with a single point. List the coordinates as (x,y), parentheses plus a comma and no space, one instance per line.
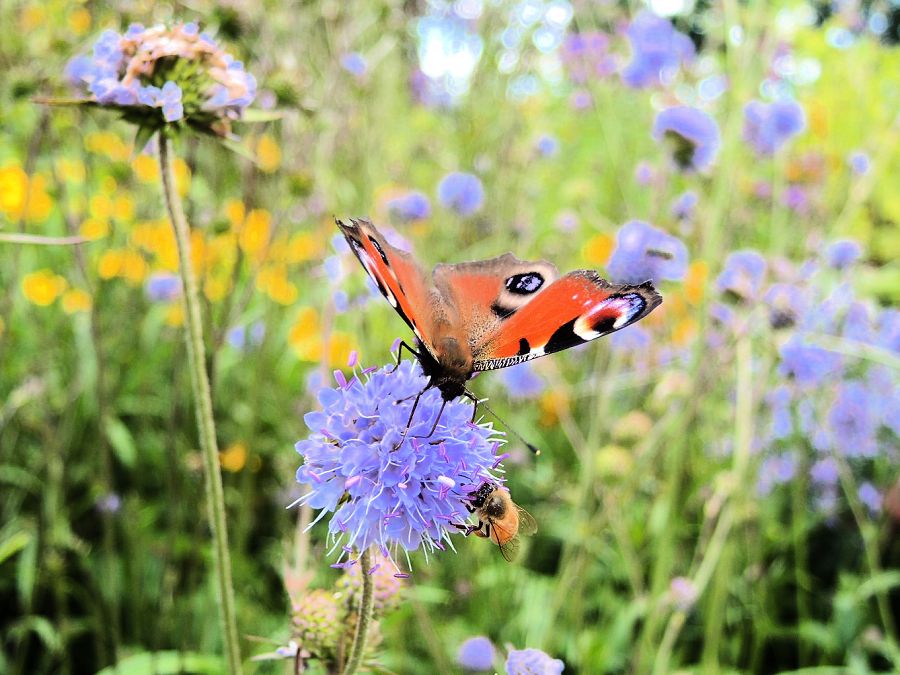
(215,500)
(366,605)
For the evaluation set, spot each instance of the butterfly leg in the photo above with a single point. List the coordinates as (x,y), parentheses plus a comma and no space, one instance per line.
(400,353)
(433,426)
(472,397)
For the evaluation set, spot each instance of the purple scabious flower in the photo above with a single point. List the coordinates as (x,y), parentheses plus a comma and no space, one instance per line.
(586,55)
(807,364)
(658,50)
(143,73)
(476,653)
(110,503)
(237,336)
(796,198)
(163,287)
(853,421)
(843,253)
(787,303)
(779,400)
(644,253)
(547,145)
(683,593)
(870,497)
(532,662)
(775,470)
(522,382)
(684,205)
(693,135)
(859,163)
(412,206)
(743,274)
(768,126)
(644,173)
(825,472)
(461,192)
(383,489)
(355,64)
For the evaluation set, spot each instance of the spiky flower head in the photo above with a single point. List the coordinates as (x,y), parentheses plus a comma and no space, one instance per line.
(387,587)
(381,487)
(317,622)
(532,662)
(161,75)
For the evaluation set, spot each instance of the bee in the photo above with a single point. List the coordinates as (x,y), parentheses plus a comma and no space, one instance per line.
(499,518)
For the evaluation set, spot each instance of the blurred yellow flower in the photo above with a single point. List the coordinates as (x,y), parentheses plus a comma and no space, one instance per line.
(145,168)
(123,208)
(94,228)
(598,249)
(182,176)
(109,185)
(234,457)
(110,264)
(268,154)
(684,331)
(100,206)
(254,233)
(79,21)
(76,300)
(109,144)
(129,265)
(695,281)
(175,314)
(32,17)
(235,212)
(303,247)
(339,347)
(20,196)
(273,281)
(553,402)
(70,170)
(215,288)
(306,325)
(613,461)
(43,287)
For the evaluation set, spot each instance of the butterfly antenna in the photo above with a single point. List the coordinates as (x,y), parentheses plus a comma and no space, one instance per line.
(534,449)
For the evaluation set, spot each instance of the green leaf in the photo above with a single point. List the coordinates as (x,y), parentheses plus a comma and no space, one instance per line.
(82,102)
(162,663)
(40,627)
(142,137)
(13,544)
(121,440)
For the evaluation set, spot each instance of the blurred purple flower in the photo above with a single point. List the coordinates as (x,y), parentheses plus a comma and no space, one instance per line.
(580,100)
(414,205)
(684,205)
(355,64)
(843,253)
(858,324)
(163,287)
(775,470)
(787,303)
(532,662)
(743,275)
(859,163)
(461,192)
(658,50)
(644,173)
(586,55)
(340,300)
(547,145)
(636,340)
(476,653)
(522,382)
(779,400)
(853,421)
(807,364)
(644,253)
(870,497)
(110,503)
(824,472)
(796,198)
(237,336)
(381,487)
(683,593)
(693,135)
(889,330)
(768,126)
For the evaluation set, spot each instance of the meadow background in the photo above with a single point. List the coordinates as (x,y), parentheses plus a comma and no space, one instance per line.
(718,489)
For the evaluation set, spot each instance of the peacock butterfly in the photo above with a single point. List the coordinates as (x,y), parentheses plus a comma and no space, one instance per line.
(495,313)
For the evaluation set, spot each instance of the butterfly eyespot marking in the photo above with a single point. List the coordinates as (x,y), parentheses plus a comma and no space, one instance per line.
(379,249)
(524,284)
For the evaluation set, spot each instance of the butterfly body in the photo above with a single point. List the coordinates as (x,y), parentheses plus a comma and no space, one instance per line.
(490,314)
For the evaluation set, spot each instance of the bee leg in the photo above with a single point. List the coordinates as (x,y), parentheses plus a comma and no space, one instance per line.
(400,354)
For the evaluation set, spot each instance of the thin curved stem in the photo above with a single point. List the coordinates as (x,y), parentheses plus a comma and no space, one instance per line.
(366,605)
(203,404)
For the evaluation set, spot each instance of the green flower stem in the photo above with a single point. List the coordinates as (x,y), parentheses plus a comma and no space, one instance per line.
(203,402)
(358,648)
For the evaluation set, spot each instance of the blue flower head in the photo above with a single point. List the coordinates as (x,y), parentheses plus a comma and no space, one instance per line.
(853,420)
(768,126)
(532,662)
(658,50)
(476,653)
(414,205)
(383,489)
(743,275)
(461,192)
(843,253)
(355,64)
(692,134)
(644,253)
(162,287)
(807,364)
(684,205)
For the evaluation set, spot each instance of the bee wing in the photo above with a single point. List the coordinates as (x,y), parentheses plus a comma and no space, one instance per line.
(510,550)
(527,524)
